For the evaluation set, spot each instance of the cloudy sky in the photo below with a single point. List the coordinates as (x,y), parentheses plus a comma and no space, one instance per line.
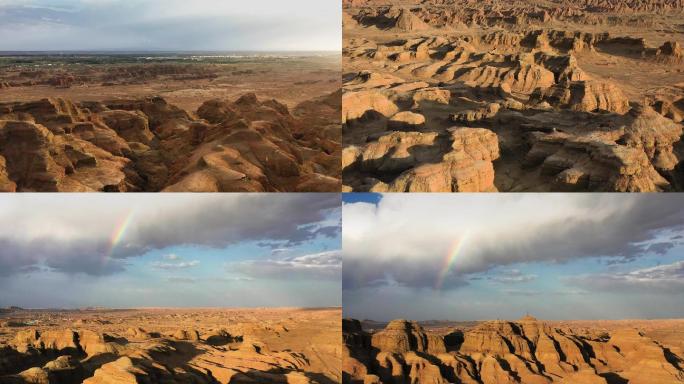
(489,256)
(172,25)
(172,250)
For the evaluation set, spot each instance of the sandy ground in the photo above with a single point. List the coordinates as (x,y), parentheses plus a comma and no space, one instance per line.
(290,81)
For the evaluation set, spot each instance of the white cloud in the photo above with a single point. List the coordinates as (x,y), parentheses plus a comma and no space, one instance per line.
(171,25)
(92,234)
(233,279)
(413,237)
(324,265)
(512,276)
(177,265)
(667,278)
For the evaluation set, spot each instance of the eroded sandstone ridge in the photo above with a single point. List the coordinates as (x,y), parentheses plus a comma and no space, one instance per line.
(242,145)
(468,96)
(503,352)
(171,346)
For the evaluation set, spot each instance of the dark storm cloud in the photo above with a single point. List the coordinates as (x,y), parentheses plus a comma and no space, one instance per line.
(626,233)
(213,221)
(15,257)
(371,272)
(85,256)
(331,231)
(410,244)
(661,248)
(218,221)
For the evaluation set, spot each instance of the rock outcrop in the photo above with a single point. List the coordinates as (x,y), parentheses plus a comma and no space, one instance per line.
(558,85)
(406,21)
(150,145)
(357,105)
(494,352)
(252,347)
(586,96)
(423,162)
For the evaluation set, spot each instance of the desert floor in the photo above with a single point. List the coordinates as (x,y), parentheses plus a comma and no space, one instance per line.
(266,345)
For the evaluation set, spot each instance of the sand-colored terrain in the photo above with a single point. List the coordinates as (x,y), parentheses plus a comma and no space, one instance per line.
(523,351)
(185,80)
(101,346)
(184,123)
(544,95)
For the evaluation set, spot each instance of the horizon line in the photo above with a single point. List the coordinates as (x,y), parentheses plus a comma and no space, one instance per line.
(177,50)
(95,307)
(512,320)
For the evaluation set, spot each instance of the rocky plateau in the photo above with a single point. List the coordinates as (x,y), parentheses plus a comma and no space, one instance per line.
(154,346)
(480,96)
(523,351)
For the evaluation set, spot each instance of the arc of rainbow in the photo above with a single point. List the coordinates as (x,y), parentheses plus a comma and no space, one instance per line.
(450,260)
(119,232)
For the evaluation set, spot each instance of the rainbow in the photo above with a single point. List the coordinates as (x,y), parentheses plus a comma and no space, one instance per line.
(119,232)
(449,260)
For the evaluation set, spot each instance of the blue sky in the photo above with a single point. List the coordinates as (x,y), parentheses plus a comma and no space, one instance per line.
(361,197)
(184,250)
(198,25)
(555,256)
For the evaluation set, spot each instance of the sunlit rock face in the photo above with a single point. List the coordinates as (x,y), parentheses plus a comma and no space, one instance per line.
(569,96)
(173,346)
(494,352)
(243,145)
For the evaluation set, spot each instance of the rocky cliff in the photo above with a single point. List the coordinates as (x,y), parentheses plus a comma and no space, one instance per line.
(495,352)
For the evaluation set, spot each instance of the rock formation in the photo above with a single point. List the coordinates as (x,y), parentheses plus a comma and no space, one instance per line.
(586,96)
(260,346)
(460,161)
(494,352)
(150,145)
(558,85)
(407,21)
